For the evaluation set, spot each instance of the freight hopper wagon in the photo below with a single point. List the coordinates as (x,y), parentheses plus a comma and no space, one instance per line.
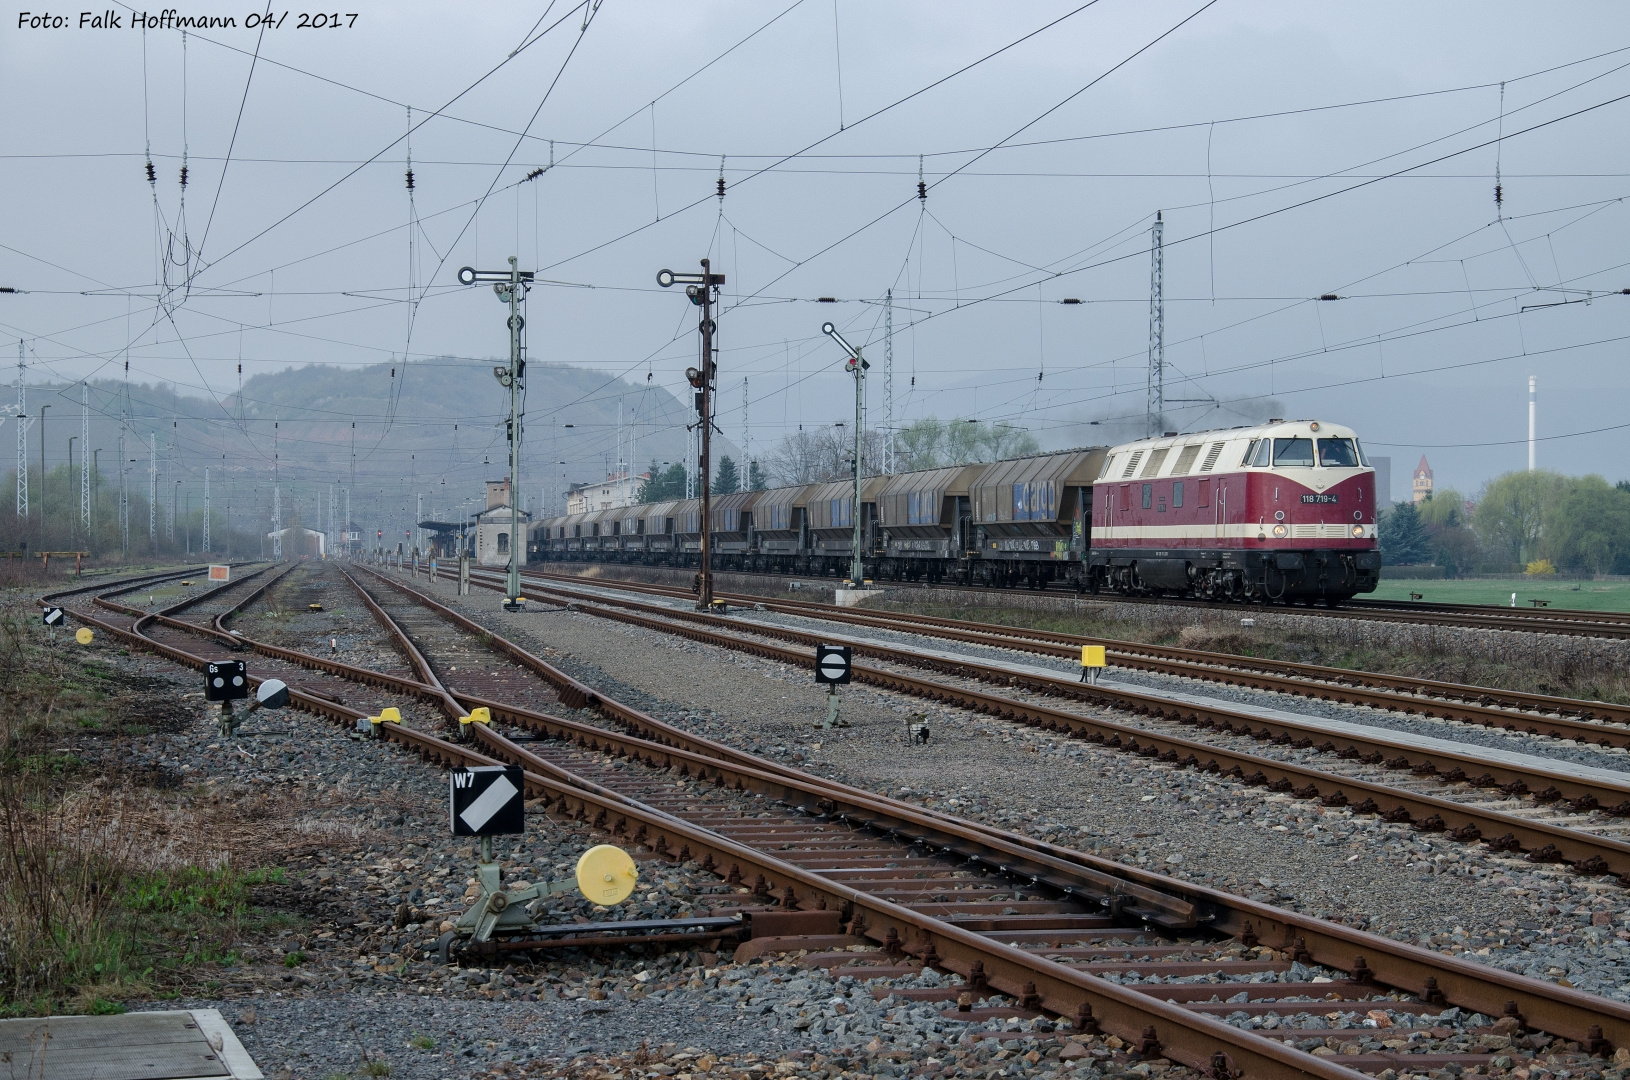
(1285,511)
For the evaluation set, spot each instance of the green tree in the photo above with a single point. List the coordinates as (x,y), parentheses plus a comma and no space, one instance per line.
(756,479)
(1004,440)
(1512,513)
(1403,539)
(664,484)
(931,443)
(1587,529)
(726,479)
(921,444)
(1444,509)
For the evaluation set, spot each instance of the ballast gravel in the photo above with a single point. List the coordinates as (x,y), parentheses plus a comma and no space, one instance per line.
(1539,920)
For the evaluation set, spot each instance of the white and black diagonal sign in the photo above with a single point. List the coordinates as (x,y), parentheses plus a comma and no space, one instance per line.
(486,800)
(53,616)
(832,665)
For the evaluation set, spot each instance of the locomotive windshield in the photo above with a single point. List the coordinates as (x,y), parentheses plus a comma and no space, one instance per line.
(1337,454)
(1293,452)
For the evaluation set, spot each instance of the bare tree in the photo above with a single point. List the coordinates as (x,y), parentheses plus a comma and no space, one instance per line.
(820,455)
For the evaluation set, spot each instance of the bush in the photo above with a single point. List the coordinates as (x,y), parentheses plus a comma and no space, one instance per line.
(1540,566)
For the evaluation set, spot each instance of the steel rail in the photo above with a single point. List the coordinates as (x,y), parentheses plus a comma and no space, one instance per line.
(120,585)
(1566,622)
(1394,750)
(1488,706)
(1164,1028)
(1463,983)
(1585,852)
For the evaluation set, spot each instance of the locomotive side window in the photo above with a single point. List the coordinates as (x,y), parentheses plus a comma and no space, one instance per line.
(1337,454)
(1177,494)
(1293,452)
(1362,460)
(1263,451)
(1249,450)
(1148,495)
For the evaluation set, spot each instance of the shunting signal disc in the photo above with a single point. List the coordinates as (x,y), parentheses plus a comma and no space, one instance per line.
(606,875)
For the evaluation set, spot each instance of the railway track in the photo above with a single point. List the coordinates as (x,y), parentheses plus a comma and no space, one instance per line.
(1526,809)
(1598,722)
(820,834)
(1009,915)
(1564,621)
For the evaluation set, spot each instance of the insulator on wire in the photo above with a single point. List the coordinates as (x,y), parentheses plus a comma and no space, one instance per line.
(1499,195)
(922,191)
(183,176)
(535,173)
(721,187)
(152,174)
(410,179)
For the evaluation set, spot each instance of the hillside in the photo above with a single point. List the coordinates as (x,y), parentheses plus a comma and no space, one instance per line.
(433,429)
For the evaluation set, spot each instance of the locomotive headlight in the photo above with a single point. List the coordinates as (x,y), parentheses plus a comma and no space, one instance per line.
(1280,531)
(1358,530)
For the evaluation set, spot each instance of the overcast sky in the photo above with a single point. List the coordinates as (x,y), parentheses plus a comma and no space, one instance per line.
(297,249)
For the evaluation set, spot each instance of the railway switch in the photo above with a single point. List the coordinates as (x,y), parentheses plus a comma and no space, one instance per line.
(479,715)
(489,800)
(390,715)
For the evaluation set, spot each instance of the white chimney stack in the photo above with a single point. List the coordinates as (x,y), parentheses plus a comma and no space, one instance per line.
(1530,423)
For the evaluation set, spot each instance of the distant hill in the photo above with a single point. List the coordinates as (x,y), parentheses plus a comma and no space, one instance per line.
(404,418)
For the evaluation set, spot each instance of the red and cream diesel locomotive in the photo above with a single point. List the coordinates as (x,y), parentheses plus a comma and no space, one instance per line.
(1284,511)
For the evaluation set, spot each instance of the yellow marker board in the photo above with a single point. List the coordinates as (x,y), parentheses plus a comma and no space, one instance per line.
(1092,656)
(606,875)
(83,635)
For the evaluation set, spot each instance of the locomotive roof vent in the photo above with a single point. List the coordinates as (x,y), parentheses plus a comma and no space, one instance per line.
(1168,434)
(1277,420)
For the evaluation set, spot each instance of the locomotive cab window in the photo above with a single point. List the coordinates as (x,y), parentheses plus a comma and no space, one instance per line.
(1263,451)
(1293,452)
(1337,454)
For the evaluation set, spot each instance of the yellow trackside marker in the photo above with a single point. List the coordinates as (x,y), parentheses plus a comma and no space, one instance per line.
(1092,656)
(83,635)
(390,716)
(481,715)
(606,875)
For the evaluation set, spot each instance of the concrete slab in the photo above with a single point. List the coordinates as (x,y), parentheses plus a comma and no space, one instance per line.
(197,1044)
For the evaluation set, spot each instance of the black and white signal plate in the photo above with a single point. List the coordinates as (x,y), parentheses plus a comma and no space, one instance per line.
(53,616)
(832,665)
(486,800)
(226,680)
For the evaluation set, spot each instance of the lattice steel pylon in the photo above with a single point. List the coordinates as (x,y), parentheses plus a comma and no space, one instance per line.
(888,382)
(277,497)
(205,544)
(85,465)
(152,489)
(22,436)
(1156,408)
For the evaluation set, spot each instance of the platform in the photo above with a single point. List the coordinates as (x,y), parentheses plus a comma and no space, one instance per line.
(190,1045)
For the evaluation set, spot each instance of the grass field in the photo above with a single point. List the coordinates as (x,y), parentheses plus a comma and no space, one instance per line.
(1584,595)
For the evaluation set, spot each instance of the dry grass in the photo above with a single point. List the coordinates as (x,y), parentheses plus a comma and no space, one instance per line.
(1566,667)
(109,886)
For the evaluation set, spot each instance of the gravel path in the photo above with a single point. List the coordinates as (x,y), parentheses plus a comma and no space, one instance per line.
(1325,861)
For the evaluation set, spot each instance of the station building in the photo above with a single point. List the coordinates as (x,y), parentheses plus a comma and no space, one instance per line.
(494,524)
